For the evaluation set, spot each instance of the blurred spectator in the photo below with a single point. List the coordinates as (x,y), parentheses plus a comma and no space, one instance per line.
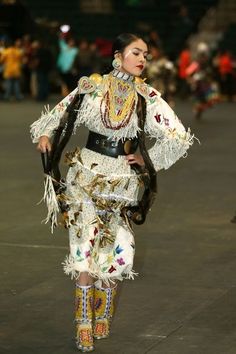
(203,47)
(104,47)
(226,73)
(32,67)
(65,62)
(2,47)
(96,66)
(154,39)
(43,65)
(184,17)
(84,60)
(184,61)
(200,76)
(26,71)
(161,74)
(12,58)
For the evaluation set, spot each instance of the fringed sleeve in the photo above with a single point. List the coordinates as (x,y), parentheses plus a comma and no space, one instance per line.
(46,125)
(172,139)
(50,120)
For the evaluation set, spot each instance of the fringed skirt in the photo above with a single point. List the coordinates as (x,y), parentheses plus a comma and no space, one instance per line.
(101,241)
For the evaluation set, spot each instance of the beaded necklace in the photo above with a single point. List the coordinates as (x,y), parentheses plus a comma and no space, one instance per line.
(119,101)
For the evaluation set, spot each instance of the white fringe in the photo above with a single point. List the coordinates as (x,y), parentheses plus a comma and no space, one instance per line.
(50,199)
(89,115)
(169,148)
(45,124)
(131,275)
(69,267)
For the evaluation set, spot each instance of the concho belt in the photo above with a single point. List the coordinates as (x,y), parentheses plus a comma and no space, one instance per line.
(113,148)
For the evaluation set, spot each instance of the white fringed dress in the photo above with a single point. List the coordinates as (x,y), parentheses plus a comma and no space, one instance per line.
(98,186)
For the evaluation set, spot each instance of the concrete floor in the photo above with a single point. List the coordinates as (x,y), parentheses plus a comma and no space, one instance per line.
(184,300)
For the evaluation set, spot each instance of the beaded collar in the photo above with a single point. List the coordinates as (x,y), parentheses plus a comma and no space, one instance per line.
(123,76)
(119,99)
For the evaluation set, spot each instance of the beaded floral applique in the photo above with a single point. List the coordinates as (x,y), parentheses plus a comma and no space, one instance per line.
(86,85)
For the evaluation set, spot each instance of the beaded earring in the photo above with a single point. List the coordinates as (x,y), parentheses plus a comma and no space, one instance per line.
(116,63)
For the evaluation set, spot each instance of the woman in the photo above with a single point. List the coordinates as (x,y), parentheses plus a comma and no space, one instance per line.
(101,182)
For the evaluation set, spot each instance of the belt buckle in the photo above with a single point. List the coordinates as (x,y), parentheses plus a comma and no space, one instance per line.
(127,147)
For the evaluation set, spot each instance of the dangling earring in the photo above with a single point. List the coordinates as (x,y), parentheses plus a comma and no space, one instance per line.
(116,63)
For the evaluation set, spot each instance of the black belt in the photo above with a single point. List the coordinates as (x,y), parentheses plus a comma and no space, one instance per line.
(105,146)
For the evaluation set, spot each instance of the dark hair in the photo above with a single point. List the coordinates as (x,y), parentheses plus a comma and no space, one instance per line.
(122,41)
(119,45)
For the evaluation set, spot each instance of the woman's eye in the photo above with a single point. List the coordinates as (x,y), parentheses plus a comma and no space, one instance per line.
(136,53)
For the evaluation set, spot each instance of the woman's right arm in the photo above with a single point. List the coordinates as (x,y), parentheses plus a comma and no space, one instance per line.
(43,128)
(44,144)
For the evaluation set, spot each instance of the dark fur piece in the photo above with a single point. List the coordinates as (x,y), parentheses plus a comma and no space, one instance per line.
(147,174)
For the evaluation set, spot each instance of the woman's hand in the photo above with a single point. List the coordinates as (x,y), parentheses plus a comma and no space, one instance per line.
(133,158)
(44,144)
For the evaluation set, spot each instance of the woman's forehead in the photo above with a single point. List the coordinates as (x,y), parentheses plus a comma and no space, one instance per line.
(138,44)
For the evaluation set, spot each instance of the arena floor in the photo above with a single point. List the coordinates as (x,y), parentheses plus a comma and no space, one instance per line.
(183,301)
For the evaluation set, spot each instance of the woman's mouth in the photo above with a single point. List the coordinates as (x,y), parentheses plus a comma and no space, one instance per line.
(140,66)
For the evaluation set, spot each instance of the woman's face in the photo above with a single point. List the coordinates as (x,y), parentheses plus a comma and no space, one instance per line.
(134,58)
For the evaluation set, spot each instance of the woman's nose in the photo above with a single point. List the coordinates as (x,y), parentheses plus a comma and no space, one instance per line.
(142,58)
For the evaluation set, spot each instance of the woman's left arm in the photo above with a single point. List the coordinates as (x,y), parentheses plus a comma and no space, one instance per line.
(162,124)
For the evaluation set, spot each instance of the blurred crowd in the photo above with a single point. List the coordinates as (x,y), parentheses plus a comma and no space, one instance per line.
(206,77)
(31,67)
